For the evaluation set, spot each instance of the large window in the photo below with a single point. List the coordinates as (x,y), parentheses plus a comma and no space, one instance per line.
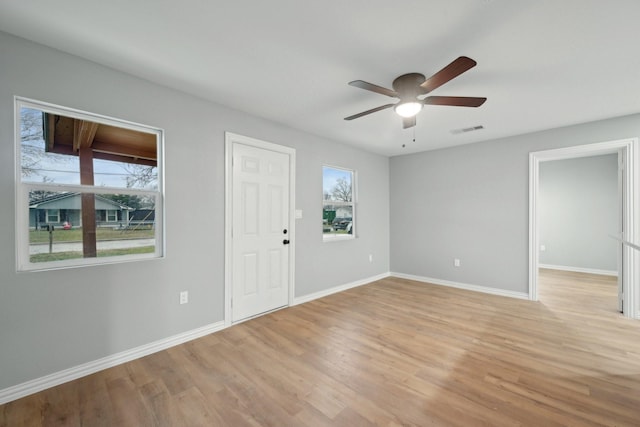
(338,207)
(89,188)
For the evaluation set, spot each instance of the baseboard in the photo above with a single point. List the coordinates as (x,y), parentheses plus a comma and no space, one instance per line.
(336,289)
(465,286)
(61,377)
(580,269)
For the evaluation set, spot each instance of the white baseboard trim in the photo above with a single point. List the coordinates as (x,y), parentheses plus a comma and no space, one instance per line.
(61,377)
(579,269)
(465,286)
(340,288)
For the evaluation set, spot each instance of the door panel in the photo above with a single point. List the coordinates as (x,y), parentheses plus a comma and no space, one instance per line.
(275,268)
(260,211)
(250,213)
(249,277)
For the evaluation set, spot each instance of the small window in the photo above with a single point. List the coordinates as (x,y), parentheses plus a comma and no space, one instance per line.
(112,215)
(338,206)
(89,188)
(53,215)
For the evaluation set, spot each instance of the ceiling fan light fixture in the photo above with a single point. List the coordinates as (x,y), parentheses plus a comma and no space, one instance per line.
(408,109)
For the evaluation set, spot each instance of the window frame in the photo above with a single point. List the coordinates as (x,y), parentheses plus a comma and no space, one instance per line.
(23,262)
(327,237)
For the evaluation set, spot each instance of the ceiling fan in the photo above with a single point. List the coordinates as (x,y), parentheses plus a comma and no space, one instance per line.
(408,87)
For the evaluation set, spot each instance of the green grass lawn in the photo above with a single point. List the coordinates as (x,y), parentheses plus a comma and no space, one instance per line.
(75,235)
(60,256)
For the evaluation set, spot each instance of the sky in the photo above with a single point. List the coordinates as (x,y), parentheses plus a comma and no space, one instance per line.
(330,176)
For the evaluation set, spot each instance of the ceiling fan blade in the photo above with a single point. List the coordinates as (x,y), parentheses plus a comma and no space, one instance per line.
(455,101)
(408,122)
(374,88)
(373,110)
(450,72)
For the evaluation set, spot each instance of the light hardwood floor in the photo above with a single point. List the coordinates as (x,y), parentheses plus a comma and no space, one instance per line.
(392,353)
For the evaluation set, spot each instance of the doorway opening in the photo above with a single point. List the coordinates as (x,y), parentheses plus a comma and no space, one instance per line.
(579,208)
(627,265)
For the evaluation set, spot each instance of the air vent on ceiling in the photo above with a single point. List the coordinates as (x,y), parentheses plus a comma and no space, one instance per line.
(465,130)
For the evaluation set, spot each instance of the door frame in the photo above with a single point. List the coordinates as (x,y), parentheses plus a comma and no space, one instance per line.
(230,140)
(630,257)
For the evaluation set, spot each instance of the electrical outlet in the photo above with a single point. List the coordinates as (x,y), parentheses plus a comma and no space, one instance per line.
(456,262)
(543,248)
(184,297)
(370,257)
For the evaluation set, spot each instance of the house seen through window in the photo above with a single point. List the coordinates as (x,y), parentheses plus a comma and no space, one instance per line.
(89,188)
(338,208)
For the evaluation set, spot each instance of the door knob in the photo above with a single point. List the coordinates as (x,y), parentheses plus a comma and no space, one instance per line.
(285,242)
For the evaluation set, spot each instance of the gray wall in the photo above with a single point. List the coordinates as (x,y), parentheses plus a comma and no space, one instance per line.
(578,211)
(55,320)
(471,202)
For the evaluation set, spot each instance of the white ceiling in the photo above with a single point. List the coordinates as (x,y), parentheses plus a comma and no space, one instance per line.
(541,63)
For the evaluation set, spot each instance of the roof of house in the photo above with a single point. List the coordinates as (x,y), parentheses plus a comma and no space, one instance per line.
(49,199)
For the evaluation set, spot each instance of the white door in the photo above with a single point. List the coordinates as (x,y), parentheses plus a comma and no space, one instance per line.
(260,231)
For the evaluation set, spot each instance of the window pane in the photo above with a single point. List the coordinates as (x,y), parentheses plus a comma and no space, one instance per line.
(337,184)
(39,164)
(49,150)
(337,220)
(124,225)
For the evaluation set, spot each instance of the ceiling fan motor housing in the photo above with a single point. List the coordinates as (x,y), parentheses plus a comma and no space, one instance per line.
(408,86)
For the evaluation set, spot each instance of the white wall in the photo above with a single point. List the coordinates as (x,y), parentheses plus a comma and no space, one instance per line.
(50,321)
(578,212)
(471,202)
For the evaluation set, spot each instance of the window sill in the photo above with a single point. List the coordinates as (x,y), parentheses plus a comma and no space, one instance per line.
(337,237)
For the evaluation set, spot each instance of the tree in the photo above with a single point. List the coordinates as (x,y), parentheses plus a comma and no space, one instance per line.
(342,190)
(38,195)
(141,176)
(31,136)
(34,159)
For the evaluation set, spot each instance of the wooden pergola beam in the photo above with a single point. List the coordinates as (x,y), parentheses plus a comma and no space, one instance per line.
(89,247)
(136,153)
(83,133)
